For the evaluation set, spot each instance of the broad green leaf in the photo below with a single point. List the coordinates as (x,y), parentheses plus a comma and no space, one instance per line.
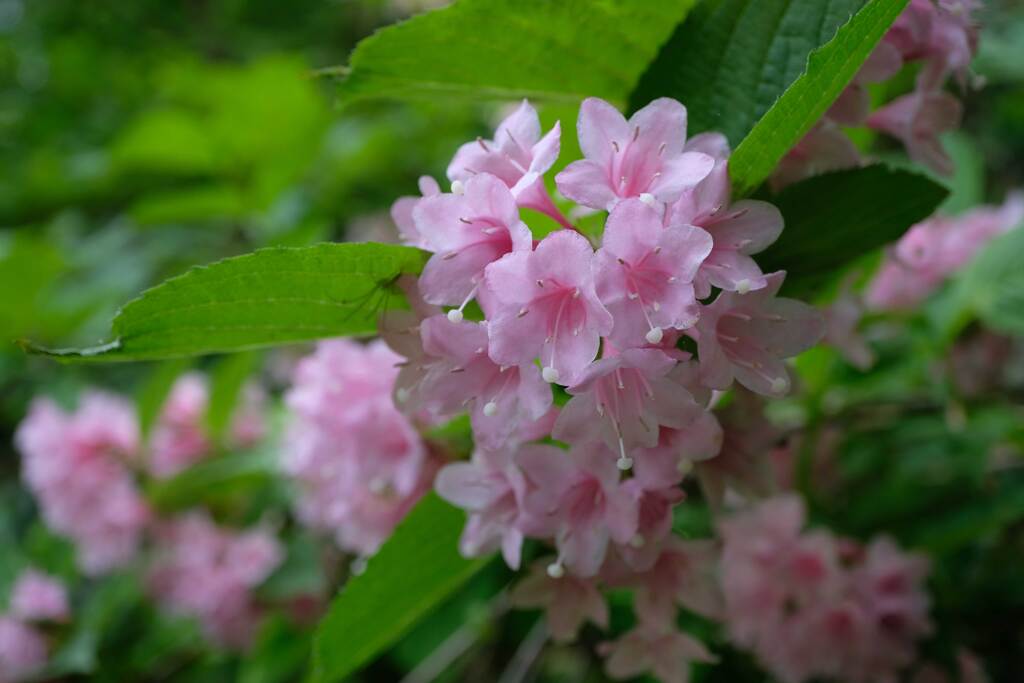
(993,285)
(732,59)
(271,296)
(835,218)
(508,49)
(417,568)
(829,70)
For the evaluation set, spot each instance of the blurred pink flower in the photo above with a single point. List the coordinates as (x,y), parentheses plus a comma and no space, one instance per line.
(208,572)
(665,653)
(568,600)
(75,465)
(39,597)
(23,650)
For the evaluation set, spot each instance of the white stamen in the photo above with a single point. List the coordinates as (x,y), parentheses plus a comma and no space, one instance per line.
(490,408)
(624,463)
(402,394)
(378,485)
(556,570)
(637,541)
(684,466)
(779,385)
(455,315)
(458,187)
(656,306)
(647,198)
(549,374)
(743,286)
(655,335)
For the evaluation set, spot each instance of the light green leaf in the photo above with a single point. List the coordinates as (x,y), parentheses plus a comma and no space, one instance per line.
(271,296)
(829,70)
(227,380)
(508,49)
(835,218)
(993,285)
(732,59)
(417,568)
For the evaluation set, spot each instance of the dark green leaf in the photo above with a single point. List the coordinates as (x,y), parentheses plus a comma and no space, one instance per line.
(829,70)
(508,49)
(732,59)
(272,296)
(417,568)
(835,218)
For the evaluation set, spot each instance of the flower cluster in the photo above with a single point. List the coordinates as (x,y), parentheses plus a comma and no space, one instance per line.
(208,572)
(84,468)
(933,250)
(35,599)
(812,605)
(607,326)
(359,463)
(940,39)
(181,438)
(78,467)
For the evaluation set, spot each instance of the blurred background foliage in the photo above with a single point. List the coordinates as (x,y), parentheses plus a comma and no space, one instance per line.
(141,137)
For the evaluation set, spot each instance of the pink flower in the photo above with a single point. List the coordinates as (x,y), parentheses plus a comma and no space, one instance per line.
(491,488)
(359,463)
(39,597)
(544,304)
(841,320)
(585,504)
(401,213)
(854,104)
(75,466)
(23,650)
(918,119)
(466,232)
(635,158)
(180,436)
(742,463)
(208,572)
(738,230)
(807,614)
(518,155)
(746,336)
(684,574)
(666,653)
(825,148)
(502,399)
(623,400)
(644,273)
(568,600)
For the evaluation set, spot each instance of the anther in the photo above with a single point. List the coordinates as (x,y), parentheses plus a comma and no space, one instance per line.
(549,374)
(556,570)
(637,541)
(522,311)
(647,198)
(743,286)
(458,187)
(655,335)
(779,385)
(455,315)
(490,408)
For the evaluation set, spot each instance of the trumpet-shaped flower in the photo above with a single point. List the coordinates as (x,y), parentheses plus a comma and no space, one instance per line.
(642,157)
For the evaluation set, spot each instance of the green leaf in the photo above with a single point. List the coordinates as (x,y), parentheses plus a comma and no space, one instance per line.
(271,296)
(227,381)
(829,70)
(153,393)
(835,218)
(417,568)
(508,49)
(993,285)
(213,478)
(732,59)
